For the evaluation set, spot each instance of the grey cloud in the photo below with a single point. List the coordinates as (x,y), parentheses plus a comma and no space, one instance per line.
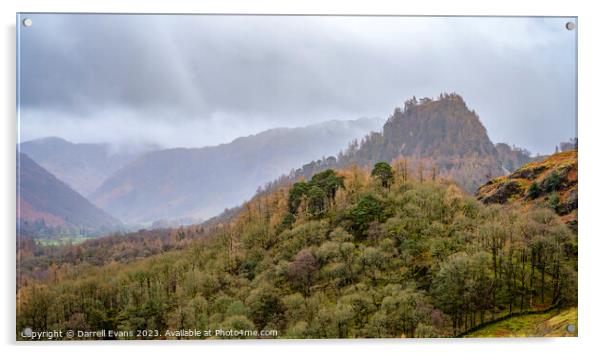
(190,80)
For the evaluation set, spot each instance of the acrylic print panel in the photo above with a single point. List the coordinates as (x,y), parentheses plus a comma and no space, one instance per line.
(271,177)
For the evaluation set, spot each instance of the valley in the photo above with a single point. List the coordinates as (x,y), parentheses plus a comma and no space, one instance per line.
(412,237)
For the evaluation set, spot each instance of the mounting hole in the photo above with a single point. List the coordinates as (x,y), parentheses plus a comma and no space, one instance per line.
(570,328)
(570,25)
(26,332)
(27,22)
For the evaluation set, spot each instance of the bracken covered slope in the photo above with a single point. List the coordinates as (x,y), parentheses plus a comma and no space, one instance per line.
(551,182)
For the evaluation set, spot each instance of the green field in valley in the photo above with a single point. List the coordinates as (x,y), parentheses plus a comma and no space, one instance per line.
(62,240)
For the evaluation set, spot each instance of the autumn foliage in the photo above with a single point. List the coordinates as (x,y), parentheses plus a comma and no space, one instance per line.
(412,257)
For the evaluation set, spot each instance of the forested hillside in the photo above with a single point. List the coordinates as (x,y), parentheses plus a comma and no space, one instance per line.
(347,253)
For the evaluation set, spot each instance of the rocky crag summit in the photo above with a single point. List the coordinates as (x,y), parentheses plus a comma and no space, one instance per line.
(441,138)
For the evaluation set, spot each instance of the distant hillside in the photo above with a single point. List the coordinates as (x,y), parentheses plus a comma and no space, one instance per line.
(47,206)
(551,182)
(82,166)
(512,158)
(440,137)
(201,182)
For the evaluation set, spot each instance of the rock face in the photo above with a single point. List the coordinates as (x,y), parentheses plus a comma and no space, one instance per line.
(550,183)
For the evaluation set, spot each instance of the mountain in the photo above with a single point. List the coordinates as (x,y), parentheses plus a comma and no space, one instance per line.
(45,205)
(550,183)
(82,166)
(201,182)
(442,138)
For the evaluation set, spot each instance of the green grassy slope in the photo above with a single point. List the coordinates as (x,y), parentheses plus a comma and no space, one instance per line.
(551,324)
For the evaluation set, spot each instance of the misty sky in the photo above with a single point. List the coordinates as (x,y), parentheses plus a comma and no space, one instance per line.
(201,80)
